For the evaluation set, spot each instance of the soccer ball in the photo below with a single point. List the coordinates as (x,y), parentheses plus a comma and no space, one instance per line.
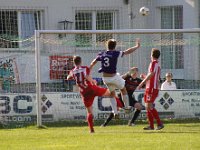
(144,11)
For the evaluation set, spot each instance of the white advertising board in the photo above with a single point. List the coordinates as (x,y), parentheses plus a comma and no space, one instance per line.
(68,106)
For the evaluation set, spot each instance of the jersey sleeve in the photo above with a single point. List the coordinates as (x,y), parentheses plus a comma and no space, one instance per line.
(99,57)
(121,54)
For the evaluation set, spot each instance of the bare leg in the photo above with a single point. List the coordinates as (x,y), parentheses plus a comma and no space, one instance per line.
(90,119)
(125,97)
(113,102)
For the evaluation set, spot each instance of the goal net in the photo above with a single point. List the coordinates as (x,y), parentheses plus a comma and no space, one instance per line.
(55,49)
(39,92)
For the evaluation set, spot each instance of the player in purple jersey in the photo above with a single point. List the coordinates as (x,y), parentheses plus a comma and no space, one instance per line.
(111,78)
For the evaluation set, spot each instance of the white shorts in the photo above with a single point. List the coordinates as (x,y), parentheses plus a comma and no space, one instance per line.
(116,82)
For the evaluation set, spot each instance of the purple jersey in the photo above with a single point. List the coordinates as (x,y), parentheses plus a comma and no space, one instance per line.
(109,60)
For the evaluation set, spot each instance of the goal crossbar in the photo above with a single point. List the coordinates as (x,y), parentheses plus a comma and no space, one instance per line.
(121,31)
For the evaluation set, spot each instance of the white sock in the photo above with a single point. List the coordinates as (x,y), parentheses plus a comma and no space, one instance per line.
(113,105)
(125,100)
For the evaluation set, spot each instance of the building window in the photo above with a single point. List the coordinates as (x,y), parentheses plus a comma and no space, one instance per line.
(172,54)
(8,29)
(94,20)
(18,26)
(104,21)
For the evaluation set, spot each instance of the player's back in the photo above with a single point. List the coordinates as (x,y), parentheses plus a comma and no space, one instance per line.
(79,74)
(109,61)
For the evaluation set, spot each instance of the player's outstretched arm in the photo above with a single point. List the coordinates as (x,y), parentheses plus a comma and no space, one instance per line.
(132,49)
(92,64)
(125,75)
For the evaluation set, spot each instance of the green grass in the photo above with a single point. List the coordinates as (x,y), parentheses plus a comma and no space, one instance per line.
(175,136)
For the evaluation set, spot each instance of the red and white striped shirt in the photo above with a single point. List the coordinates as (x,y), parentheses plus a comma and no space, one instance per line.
(153,83)
(79,74)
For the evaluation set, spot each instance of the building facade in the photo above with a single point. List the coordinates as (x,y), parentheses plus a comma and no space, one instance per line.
(20,18)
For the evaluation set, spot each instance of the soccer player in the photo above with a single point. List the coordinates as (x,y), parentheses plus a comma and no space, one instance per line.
(131,83)
(87,86)
(152,90)
(111,78)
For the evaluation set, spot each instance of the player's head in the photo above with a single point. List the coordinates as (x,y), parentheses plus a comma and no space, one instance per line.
(111,44)
(77,60)
(155,53)
(134,71)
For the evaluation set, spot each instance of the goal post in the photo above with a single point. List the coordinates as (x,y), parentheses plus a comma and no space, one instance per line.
(38,79)
(54,50)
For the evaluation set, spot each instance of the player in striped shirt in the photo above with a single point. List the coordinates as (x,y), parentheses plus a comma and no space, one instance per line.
(152,81)
(87,87)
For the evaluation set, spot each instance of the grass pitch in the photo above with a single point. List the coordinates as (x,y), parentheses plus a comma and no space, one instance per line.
(175,136)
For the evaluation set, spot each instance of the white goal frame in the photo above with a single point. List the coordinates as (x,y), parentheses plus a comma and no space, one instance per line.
(120,31)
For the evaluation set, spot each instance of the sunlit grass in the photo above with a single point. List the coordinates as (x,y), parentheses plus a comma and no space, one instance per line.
(116,137)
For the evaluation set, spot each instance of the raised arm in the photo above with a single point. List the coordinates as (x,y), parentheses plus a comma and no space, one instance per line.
(132,49)
(125,75)
(92,64)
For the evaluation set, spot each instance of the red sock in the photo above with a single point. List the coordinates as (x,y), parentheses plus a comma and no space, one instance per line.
(119,103)
(156,116)
(90,121)
(150,118)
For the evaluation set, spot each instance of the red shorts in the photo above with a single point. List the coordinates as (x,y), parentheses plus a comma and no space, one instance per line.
(90,93)
(149,97)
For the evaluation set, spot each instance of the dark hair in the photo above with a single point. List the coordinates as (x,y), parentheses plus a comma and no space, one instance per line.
(155,53)
(77,60)
(111,44)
